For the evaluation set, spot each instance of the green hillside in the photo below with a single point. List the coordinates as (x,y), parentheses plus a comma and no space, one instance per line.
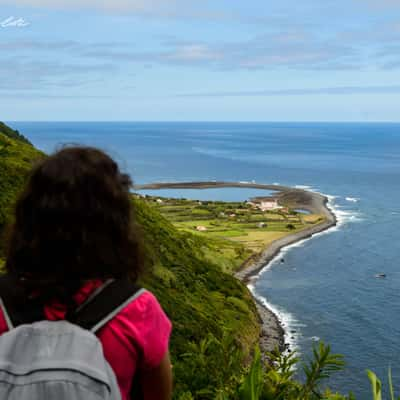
(205,305)
(17,156)
(13,134)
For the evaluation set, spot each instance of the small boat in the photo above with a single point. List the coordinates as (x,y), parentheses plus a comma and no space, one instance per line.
(380,276)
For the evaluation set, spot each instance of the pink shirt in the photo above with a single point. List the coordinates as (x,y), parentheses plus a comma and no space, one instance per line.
(136,338)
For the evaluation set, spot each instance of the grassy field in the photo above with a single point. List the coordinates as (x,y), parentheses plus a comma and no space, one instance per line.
(235,230)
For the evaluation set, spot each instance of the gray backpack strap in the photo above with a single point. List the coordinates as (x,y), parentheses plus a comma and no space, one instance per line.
(100,307)
(7,318)
(104,304)
(13,303)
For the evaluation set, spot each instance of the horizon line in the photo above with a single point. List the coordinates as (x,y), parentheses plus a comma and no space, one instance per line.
(210,121)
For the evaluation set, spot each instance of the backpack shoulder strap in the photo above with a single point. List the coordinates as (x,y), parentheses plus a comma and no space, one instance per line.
(13,306)
(104,304)
(101,306)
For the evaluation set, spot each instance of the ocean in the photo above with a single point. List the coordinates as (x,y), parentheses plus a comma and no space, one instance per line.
(326,289)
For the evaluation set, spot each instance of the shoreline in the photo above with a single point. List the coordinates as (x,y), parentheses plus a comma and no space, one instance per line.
(272,333)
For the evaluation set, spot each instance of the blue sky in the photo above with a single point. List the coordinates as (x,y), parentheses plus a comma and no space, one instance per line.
(227,60)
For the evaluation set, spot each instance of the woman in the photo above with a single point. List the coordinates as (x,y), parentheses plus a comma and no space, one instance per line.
(73,231)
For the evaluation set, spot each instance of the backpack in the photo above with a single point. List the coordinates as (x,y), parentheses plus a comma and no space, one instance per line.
(63,359)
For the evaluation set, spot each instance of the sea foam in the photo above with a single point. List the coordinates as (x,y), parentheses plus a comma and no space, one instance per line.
(291,326)
(343,217)
(304,187)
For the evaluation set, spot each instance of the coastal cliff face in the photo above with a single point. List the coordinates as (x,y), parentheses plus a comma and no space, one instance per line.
(213,314)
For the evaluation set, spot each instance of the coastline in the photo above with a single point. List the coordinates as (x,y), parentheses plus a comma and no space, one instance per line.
(272,333)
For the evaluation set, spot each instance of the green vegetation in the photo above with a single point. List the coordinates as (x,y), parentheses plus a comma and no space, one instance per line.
(13,134)
(276,380)
(17,156)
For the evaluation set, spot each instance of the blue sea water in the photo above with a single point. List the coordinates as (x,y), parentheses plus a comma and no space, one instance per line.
(326,289)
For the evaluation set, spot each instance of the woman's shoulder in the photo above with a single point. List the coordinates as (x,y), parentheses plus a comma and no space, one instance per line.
(143,307)
(145,324)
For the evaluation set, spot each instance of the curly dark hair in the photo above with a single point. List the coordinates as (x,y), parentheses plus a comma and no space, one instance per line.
(73,222)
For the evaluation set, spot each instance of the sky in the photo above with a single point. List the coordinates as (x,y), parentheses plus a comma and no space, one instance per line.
(187,60)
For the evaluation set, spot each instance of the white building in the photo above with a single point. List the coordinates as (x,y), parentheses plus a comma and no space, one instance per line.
(265,203)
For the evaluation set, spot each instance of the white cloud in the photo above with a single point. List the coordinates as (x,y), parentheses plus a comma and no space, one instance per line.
(293,50)
(36,45)
(22,74)
(380,4)
(340,90)
(114,5)
(193,53)
(208,10)
(150,8)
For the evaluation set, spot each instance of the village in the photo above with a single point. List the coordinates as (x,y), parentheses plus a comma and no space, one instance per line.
(248,226)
